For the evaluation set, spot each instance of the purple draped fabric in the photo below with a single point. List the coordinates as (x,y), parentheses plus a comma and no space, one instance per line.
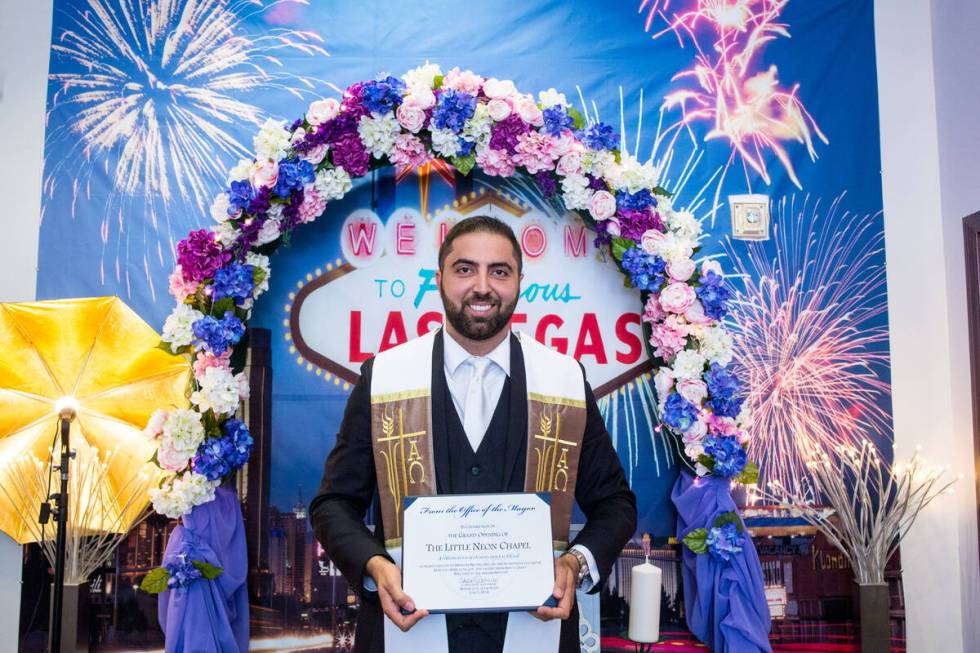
(209,615)
(725,601)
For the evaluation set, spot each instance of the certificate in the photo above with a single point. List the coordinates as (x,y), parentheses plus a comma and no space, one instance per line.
(478,552)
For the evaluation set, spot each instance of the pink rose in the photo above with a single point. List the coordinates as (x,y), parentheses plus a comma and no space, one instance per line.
(603,205)
(171,459)
(528,110)
(742,436)
(265,174)
(677,297)
(681,269)
(180,287)
(566,143)
(613,228)
(569,164)
(316,154)
(410,116)
(652,241)
(695,313)
(322,110)
(693,391)
(652,311)
(721,425)
(663,381)
(422,96)
(154,427)
(463,80)
(498,109)
(499,89)
(696,433)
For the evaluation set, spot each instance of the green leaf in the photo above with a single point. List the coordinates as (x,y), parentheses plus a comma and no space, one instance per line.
(707,461)
(618,156)
(437,81)
(620,245)
(578,122)
(258,275)
(155,581)
(660,190)
(208,570)
(464,164)
(749,474)
(221,306)
(697,540)
(728,518)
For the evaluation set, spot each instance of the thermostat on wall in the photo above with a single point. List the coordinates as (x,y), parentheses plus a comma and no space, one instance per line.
(750,216)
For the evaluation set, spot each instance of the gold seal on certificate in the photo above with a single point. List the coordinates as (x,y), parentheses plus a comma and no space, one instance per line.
(478,552)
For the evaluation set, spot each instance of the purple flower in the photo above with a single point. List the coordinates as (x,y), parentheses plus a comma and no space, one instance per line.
(260,203)
(724,541)
(714,295)
(350,155)
(729,456)
(200,255)
(236,281)
(597,183)
(679,412)
(547,183)
(452,110)
(384,95)
(182,571)
(599,136)
(293,175)
(503,135)
(634,223)
(218,335)
(353,102)
(556,120)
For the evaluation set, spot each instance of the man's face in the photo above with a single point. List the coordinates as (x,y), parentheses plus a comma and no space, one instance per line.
(479,284)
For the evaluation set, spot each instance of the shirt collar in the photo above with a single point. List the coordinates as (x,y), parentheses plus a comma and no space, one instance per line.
(454,355)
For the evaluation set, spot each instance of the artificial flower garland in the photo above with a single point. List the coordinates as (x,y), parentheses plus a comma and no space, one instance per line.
(468,121)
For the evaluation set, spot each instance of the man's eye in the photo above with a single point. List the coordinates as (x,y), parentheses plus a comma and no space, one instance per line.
(500,273)
(463,269)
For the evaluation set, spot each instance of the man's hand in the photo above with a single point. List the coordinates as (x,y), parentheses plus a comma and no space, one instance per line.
(388,578)
(566,571)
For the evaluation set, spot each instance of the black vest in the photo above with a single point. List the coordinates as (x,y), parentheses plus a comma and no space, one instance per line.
(475,473)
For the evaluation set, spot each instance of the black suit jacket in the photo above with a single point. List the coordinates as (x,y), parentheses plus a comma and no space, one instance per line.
(349,486)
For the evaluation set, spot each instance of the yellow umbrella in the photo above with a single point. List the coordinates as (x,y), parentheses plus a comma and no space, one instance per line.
(101,354)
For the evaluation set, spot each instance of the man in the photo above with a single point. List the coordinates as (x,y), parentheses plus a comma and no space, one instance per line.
(467,404)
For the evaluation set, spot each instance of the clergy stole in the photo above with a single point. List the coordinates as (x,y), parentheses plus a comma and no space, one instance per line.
(401,436)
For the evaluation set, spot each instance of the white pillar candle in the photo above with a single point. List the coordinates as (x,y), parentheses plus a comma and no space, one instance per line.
(645,582)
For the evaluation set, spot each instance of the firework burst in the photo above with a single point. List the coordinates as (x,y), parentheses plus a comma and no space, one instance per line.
(744,104)
(149,93)
(811,337)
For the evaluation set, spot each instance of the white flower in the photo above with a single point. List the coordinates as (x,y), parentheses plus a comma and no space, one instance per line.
(178,327)
(226,233)
(694,450)
(183,430)
(269,232)
(260,262)
(632,176)
(684,224)
(445,143)
(688,364)
(673,247)
(332,184)
(272,141)
(178,496)
(219,208)
(477,128)
(425,74)
(596,162)
(576,193)
(716,345)
(551,97)
(744,418)
(711,266)
(321,111)
(499,89)
(378,133)
(664,203)
(242,170)
(219,393)
(422,95)
(154,426)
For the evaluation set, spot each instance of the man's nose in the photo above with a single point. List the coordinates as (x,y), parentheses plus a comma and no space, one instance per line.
(482,284)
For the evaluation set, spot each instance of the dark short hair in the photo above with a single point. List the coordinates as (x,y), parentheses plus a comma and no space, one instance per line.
(480,224)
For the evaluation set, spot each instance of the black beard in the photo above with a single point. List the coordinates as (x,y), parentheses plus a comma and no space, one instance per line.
(478,328)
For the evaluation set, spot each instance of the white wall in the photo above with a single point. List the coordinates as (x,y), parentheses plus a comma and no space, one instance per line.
(25,39)
(930,151)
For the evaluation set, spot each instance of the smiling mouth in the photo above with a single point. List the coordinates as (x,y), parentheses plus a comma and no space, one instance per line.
(483,308)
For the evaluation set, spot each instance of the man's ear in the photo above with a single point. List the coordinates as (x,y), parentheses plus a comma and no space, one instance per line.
(438,278)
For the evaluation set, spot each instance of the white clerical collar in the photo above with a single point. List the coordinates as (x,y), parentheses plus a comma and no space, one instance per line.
(454,355)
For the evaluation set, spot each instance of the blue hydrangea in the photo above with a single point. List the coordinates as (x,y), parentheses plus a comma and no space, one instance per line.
(679,412)
(293,175)
(452,110)
(236,281)
(722,384)
(724,541)
(637,201)
(217,335)
(465,147)
(182,571)
(646,270)
(729,456)
(212,458)
(383,96)
(556,120)
(714,295)
(240,195)
(599,136)
(240,442)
